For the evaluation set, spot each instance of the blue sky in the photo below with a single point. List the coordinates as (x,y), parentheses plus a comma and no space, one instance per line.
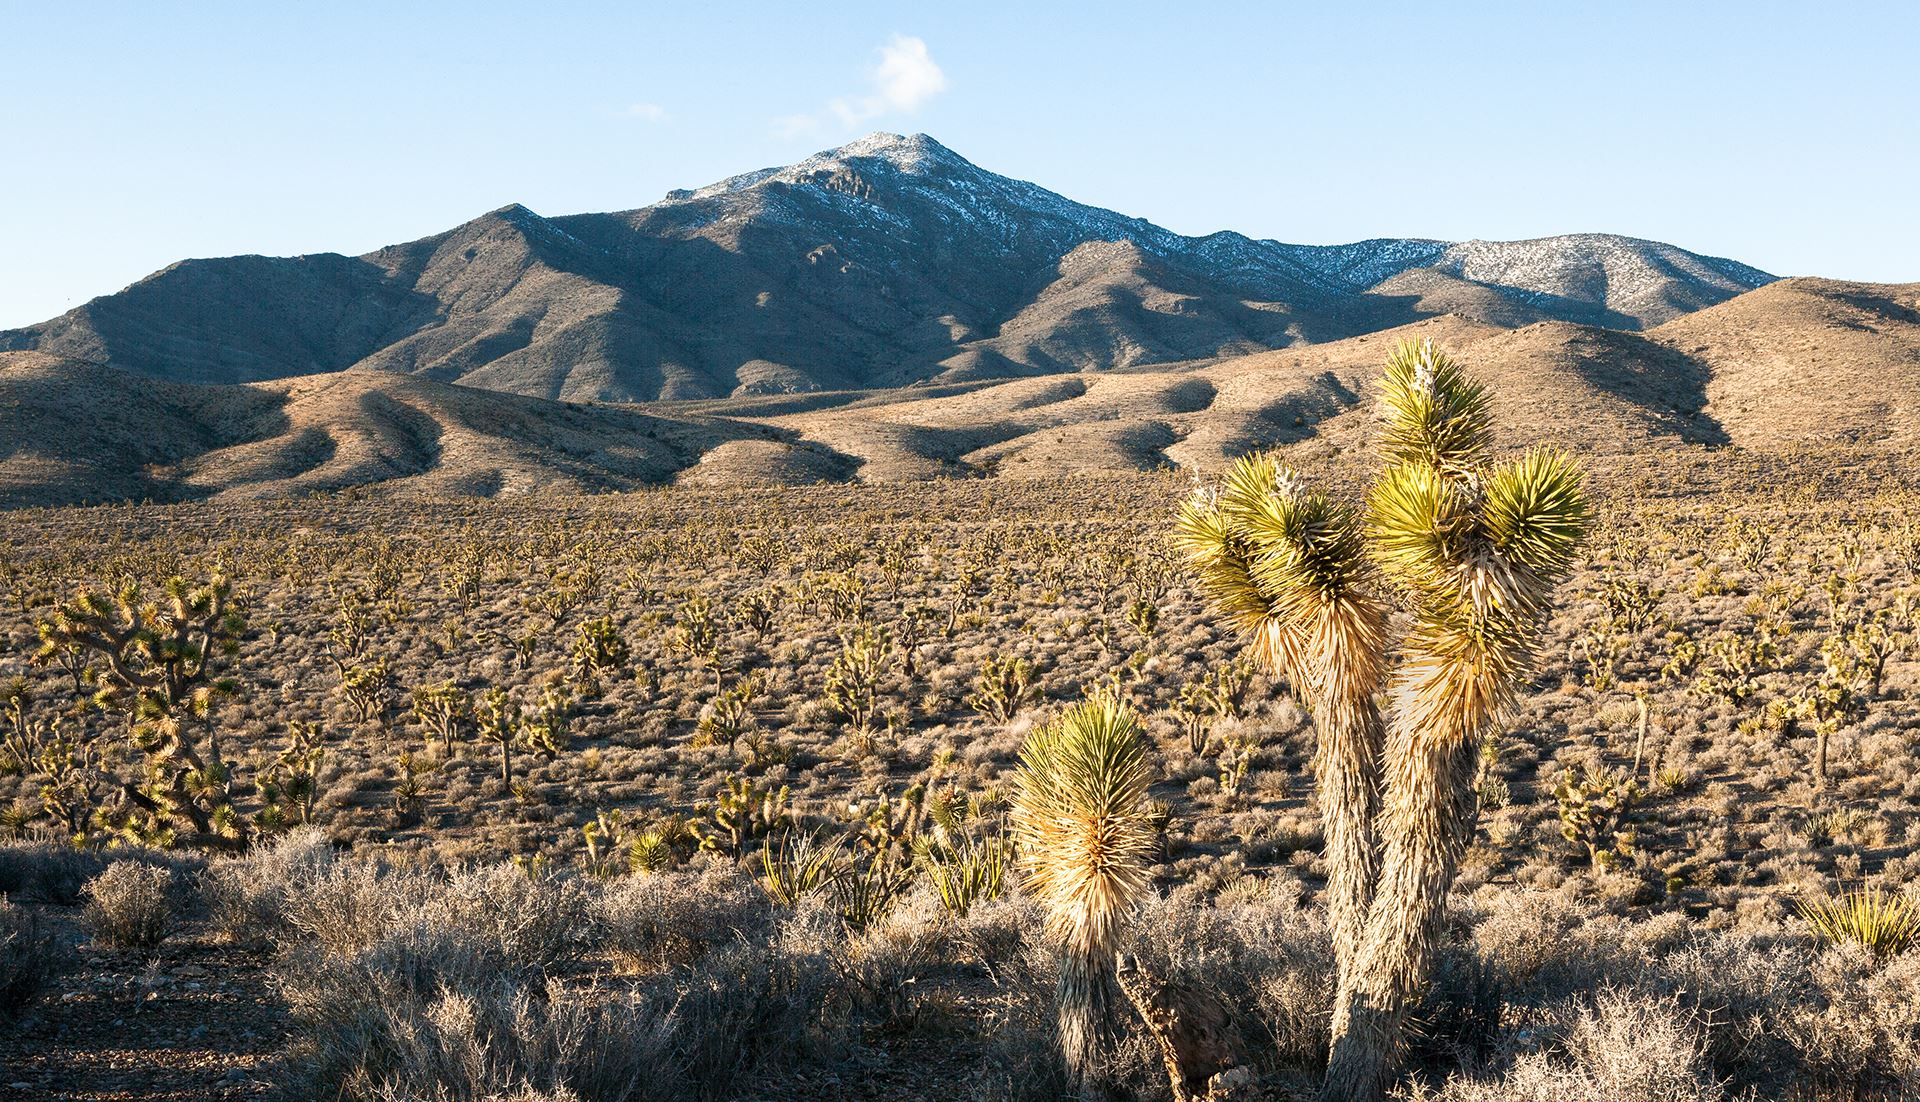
(1786,136)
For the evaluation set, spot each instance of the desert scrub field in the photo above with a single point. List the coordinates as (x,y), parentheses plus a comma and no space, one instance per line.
(696,793)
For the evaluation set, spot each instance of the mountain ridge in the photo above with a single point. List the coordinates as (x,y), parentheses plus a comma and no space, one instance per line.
(888,261)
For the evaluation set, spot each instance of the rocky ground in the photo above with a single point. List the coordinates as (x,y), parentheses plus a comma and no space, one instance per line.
(194,1020)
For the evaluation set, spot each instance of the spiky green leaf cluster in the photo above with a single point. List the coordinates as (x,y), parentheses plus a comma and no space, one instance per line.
(1884,923)
(1535,514)
(1433,413)
(1272,555)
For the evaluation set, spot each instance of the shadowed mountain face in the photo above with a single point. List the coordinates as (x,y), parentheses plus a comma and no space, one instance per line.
(887,262)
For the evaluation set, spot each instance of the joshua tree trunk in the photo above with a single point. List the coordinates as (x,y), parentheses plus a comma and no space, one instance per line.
(1450,691)
(1640,737)
(1821,736)
(506,763)
(1086,1006)
(1194,1032)
(1347,769)
(1349,778)
(1429,809)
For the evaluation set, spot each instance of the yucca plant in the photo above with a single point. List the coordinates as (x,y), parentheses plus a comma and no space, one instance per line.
(1082,826)
(867,890)
(1471,551)
(970,872)
(1884,923)
(796,864)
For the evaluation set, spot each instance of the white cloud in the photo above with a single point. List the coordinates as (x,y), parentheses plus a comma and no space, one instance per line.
(796,126)
(905,78)
(646,112)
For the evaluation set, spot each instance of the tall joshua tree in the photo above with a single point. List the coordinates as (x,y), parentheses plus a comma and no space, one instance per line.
(1471,551)
(1082,823)
(1288,567)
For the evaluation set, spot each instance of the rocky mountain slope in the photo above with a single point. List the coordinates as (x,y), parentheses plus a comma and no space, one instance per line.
(887,262)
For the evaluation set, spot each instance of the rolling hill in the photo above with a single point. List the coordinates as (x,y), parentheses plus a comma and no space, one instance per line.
(1801,363)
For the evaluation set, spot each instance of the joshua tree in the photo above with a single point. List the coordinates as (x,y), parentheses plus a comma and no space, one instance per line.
(443,709)
(853,681)
(499,720)
(1830,703)
(599,650)
(1083,826)
(159,659)
(1288,566)
(1472,550)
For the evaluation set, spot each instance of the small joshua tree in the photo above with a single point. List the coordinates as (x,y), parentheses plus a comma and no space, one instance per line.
(369,689)
(443,710)
(1004,687)
(701,636)
(548,729)
(1086,842)
(853,681)
(741,812)
(1597,812)
(1830,703)
(599,650)
(1472,551)
(499,720)
(729,717)
(291,785)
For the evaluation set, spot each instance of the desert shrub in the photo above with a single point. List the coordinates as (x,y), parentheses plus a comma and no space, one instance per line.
(1257,953)
(423,1016)
(453,1010)
(1021,1060)
(129,905)
(749,1008)
(352,905)
(51,872)
(1626,1047)
(46,872)
(1858,1036)
(1734,986)
(252,896)
(1546,944)
(534,921)
(885,965)
(29,958)
(654,919)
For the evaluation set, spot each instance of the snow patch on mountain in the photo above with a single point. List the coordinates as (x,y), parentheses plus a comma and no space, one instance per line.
(867,177)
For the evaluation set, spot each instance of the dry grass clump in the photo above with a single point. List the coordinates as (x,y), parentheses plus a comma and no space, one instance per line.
(129,906)
(1625,1047)
(676,917)
(1739,1011)
(255,895)
(29,958)
(465,987)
